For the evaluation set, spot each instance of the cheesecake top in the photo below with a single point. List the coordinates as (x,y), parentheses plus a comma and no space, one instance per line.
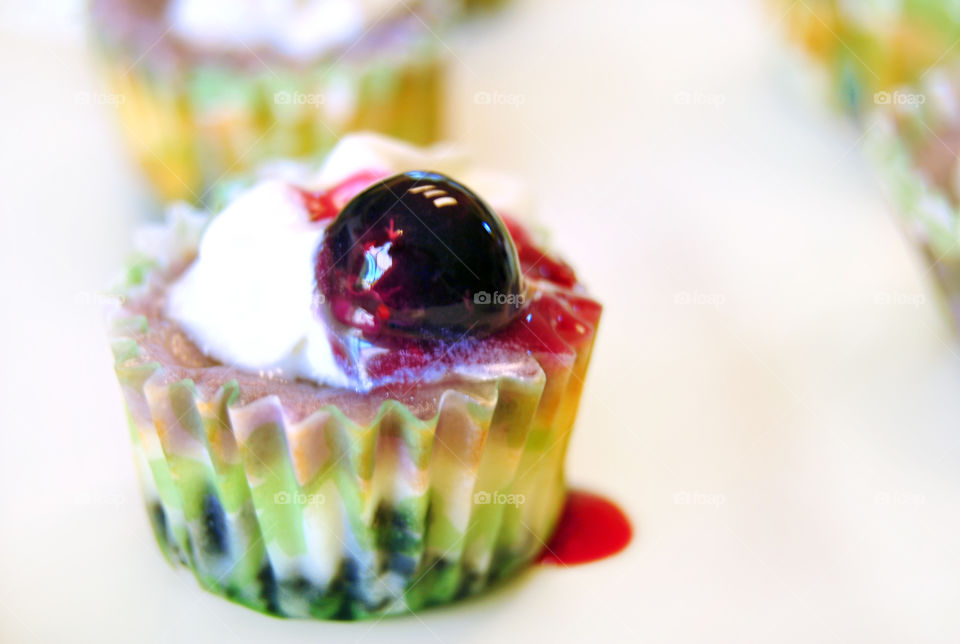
(383,269)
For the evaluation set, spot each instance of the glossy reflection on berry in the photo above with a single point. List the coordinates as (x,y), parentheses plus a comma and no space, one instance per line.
(419,255)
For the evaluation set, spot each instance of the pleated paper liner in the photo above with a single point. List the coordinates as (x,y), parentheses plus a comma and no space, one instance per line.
(337,504)
(913,142)
(192,127)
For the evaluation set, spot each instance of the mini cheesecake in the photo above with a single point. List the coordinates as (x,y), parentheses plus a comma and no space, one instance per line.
(350,394)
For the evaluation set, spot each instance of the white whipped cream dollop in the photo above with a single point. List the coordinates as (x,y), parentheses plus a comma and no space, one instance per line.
(294,28)
(249,298)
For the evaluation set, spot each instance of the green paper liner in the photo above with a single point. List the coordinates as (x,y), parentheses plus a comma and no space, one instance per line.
(327,514)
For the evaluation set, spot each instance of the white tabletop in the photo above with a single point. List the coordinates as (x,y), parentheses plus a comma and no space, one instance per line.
(772,397)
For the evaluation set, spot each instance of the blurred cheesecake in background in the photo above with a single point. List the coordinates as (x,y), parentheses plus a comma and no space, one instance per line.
(894,66)
(473,7)
(868,47)
(914,141)
(211,88)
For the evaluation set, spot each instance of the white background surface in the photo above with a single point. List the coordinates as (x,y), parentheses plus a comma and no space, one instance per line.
(769,344)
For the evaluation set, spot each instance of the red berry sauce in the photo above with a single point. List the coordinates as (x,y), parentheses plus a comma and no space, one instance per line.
(537,264)
(590,528)
(557,321)
(327,204)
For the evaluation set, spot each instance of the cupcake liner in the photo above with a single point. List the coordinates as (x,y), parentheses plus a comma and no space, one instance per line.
(191,126)
(331,510)
(928,208)
(327,517)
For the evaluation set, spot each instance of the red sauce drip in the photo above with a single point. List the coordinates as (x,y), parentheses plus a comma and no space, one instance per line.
(535,330)
(536,263)
(584,307)
(591,528)
(553,326)
(327,204)
(548,329)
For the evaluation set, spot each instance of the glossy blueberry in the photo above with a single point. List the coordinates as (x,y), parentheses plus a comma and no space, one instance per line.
(419,255)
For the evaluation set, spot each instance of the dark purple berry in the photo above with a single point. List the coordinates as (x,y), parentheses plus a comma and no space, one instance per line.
(419,255)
